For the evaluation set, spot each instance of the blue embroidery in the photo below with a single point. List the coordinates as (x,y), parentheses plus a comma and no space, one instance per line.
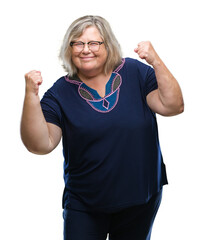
(106,104)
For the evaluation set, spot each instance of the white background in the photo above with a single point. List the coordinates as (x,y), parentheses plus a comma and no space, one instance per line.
(31,186)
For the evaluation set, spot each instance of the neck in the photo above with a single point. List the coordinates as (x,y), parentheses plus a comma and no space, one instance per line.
(87,77)
(97,82)
(93,76)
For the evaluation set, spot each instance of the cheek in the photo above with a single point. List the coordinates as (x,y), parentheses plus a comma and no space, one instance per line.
(75,60)
(104,56)
(105,59)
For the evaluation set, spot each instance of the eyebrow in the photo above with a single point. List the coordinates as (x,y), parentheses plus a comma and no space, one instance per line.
(101,40)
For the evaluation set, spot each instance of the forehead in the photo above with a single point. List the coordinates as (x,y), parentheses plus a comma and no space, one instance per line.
(90,33)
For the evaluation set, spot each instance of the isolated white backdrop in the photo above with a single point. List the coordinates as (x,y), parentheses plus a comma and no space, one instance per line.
(31,186)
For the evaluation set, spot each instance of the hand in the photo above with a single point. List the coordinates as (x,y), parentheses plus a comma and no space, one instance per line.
(146,51)
(33,81)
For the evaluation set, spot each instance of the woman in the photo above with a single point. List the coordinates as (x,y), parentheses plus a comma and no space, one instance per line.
(104,110)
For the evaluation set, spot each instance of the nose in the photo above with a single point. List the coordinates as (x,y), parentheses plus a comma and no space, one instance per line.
(86,48)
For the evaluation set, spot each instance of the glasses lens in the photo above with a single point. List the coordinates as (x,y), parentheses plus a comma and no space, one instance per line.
(77,46)
(94,46)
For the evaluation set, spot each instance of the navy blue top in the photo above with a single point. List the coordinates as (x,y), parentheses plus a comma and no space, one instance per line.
(112,157)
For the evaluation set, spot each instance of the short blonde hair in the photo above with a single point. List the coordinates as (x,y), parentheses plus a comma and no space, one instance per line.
(76,30)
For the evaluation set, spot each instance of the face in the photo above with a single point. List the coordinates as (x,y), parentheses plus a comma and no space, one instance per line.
(87,62)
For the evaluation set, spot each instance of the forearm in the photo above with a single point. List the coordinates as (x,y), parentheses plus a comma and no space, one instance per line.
(34,129)
(168,88)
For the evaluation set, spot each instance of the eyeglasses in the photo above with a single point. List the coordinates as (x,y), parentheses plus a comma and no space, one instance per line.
(92,45)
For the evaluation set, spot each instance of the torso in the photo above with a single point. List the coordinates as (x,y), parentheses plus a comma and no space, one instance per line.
(110,145)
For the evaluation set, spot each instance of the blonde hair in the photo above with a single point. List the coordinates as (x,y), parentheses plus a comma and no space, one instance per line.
(76,30)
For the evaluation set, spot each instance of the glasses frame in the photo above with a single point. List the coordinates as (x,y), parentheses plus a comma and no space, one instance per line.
(88,43)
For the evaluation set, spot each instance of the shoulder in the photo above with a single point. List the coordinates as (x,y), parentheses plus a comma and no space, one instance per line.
(58,84)
(136,64)
(135,68)
(131,63)
(55,89)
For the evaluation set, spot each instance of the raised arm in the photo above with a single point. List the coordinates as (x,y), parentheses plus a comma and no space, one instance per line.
(167,100)
(38,136)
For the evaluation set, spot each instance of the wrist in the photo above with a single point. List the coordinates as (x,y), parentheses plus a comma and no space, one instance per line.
(30,95)
(157,62)
(30,91)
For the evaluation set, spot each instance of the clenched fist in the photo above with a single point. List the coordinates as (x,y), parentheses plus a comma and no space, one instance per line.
(146,51)
(33,81)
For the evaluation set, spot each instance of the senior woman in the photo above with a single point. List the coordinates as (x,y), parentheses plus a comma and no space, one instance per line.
(105,111)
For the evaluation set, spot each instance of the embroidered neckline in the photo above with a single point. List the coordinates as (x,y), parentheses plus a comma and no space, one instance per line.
(101,104)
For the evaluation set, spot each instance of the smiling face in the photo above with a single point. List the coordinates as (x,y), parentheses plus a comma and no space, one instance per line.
(87,62)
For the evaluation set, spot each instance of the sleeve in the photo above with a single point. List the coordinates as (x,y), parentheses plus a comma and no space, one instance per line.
(51,108)
(144,73)
(150,81)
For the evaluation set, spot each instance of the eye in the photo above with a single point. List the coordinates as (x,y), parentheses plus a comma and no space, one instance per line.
(78,44)
(93,43)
